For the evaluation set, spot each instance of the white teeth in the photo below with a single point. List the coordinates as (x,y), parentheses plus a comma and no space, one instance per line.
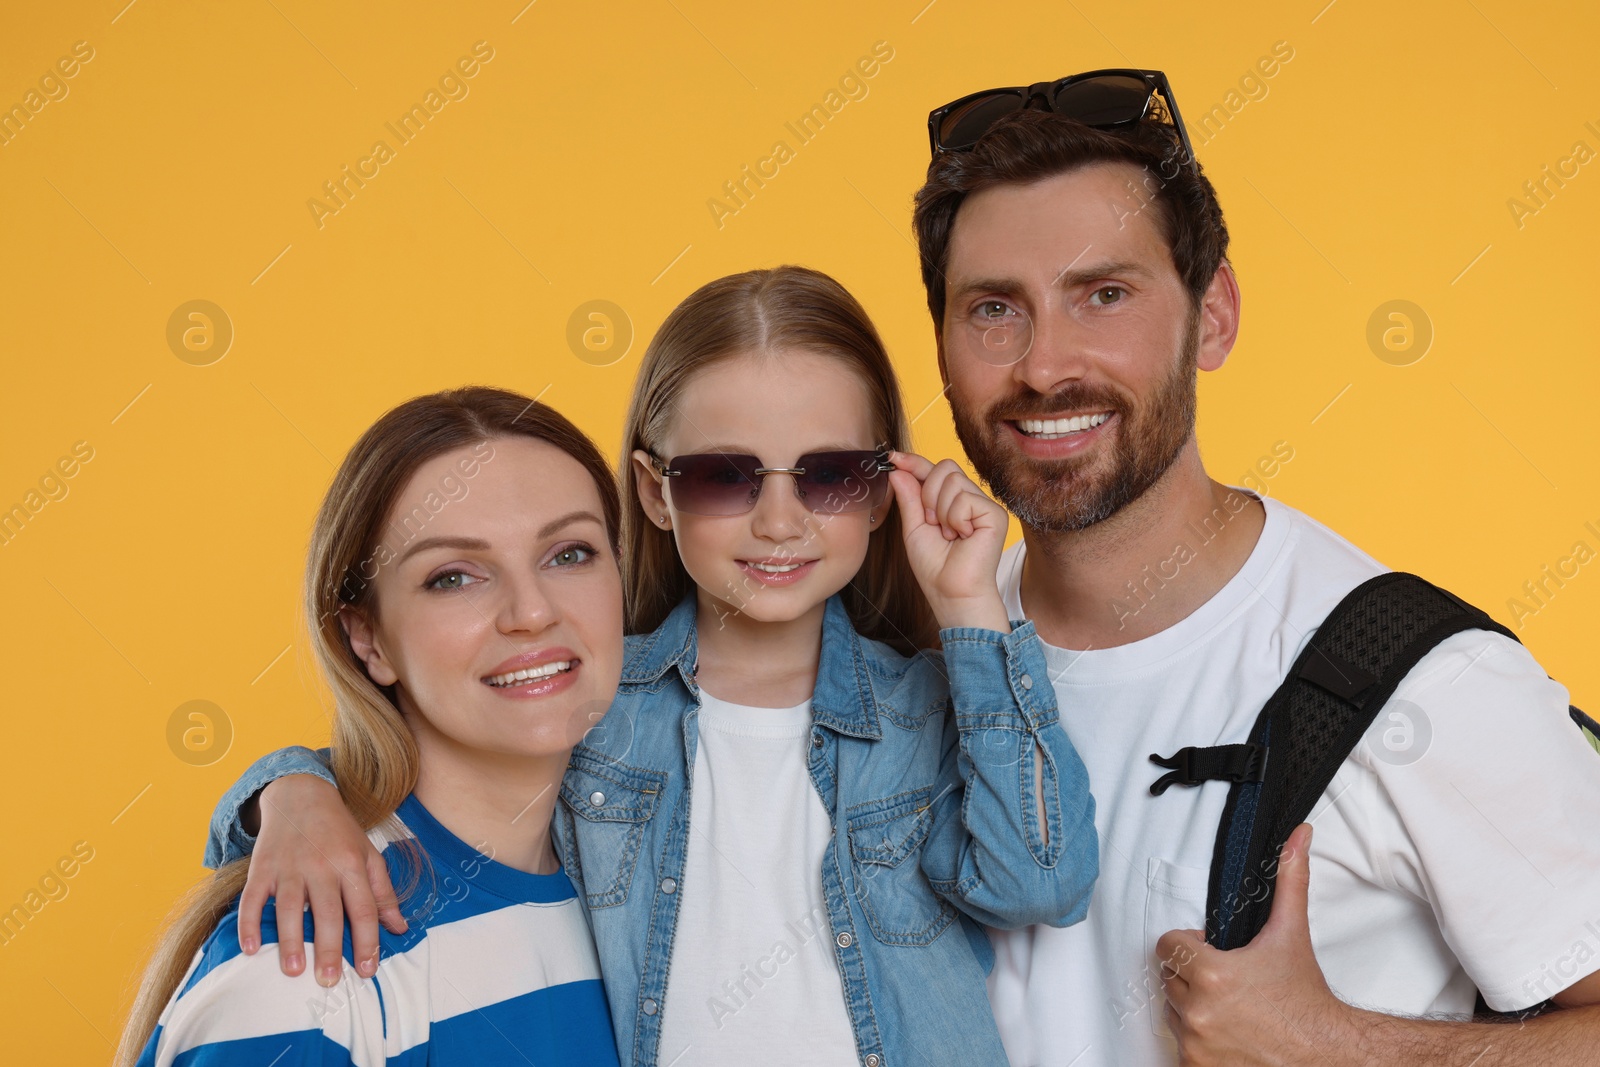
(544,670)
(775,568)
(1061,427)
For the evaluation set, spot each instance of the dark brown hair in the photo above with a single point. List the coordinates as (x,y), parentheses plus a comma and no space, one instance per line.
(375,756)
(1031,145)
(767,311)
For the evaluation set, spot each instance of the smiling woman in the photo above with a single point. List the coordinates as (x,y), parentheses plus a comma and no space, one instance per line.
(463,675)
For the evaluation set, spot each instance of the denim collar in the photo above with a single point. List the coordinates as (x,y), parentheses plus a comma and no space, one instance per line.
(842,700)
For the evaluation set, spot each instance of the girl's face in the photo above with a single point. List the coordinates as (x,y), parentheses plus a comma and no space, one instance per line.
(779,560)
(499,606)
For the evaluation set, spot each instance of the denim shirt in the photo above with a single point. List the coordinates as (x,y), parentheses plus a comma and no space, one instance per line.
(935,816)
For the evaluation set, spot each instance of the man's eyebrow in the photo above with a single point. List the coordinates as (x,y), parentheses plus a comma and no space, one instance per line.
(478,544)
(1068,278)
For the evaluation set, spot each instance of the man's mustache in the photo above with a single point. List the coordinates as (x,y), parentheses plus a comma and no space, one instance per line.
(1028,404)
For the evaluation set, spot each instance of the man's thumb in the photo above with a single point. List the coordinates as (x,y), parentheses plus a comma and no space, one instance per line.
(1289,901)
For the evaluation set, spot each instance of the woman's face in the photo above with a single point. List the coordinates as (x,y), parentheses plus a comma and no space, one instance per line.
(499,614)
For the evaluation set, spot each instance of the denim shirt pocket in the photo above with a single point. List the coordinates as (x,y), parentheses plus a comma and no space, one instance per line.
(611,804)
(886,840)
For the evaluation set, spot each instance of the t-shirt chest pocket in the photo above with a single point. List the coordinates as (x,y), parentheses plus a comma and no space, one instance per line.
(612,805)
(886,841)
(1176,900)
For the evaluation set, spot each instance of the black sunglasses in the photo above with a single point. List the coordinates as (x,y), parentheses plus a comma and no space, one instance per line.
(728,483)
(1105,99)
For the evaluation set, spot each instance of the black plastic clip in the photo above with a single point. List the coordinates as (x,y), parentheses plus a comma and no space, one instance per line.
(1221,763)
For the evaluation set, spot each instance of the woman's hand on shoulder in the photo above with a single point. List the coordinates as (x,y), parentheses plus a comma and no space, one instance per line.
(954,535)
(311,848)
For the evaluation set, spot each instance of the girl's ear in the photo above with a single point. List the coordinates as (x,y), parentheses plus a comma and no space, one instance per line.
(364,642)
(648,485)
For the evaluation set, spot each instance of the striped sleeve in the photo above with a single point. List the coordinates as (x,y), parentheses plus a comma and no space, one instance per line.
(238,1009)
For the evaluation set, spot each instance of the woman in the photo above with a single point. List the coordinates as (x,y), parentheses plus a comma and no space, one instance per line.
(465,606)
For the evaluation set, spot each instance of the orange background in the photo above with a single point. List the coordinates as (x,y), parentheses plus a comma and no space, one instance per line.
(1375,165)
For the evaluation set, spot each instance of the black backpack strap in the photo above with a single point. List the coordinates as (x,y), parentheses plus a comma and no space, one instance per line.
(1344,676)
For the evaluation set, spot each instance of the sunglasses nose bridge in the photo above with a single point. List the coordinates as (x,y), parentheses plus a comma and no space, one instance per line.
(1038,96)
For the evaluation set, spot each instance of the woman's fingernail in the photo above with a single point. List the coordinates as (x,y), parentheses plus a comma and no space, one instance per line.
(249,945)
(327,976)
(292,962)
(367,967)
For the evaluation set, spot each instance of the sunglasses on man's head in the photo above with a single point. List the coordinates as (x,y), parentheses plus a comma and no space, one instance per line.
(728,483)
(1105,99)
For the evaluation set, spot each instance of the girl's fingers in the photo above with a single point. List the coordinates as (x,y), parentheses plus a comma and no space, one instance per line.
(327,932)
(251,901)
(911,463)
(383,893)
(291,928)
(948,507)
(908,497)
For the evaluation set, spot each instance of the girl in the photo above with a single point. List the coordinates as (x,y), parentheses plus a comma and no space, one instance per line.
(791,822)
(462,665)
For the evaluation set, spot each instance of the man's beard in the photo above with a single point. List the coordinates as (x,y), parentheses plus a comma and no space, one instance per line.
(1065,495)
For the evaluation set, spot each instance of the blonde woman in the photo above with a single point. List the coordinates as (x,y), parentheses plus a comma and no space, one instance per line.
(465,607)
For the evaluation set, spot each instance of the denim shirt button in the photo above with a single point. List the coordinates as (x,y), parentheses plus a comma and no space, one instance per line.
(873,1060)
(1027,681)
(669,885)
(816,739)
(597,798)
(650,1006)
(844,940)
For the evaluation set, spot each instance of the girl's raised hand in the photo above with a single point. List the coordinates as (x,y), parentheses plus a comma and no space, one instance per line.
(954,536)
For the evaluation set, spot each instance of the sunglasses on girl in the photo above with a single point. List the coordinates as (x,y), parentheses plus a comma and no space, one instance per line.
(727,483)
(1105,99)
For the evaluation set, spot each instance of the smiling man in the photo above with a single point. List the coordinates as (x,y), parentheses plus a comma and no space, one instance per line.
(1074,256)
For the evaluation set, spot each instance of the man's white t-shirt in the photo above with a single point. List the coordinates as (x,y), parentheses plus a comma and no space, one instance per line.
(1454,850)
(752,977)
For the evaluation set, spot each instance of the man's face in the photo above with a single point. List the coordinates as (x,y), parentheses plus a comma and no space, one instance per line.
(1103,402)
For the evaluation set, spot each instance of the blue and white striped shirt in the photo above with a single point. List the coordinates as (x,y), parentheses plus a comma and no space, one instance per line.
(498,967)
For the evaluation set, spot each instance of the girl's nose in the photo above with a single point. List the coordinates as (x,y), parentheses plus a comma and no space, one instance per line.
(779,513)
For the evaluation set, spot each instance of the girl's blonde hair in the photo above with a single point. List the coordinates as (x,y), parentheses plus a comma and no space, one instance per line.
(374,753)
(767,311)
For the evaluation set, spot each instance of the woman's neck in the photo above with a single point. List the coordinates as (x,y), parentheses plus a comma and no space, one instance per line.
(499,805)
(762,664)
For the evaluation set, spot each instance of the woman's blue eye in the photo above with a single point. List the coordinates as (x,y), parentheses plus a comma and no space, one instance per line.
(573,555)
(442,581)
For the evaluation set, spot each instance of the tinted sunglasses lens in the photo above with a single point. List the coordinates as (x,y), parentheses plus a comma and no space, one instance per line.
(1108,100)
(842,481)
(714,483)
(962,127)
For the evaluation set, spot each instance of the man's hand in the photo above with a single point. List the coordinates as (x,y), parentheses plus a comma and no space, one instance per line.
(310,847)
(1266,1003)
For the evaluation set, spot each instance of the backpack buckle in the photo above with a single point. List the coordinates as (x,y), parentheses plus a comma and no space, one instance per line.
(1215,763)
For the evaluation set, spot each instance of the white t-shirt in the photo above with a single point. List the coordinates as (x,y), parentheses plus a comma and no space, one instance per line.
(1455,848)
(752,978)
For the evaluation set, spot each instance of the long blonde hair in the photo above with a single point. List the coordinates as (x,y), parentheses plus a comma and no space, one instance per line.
(767,310)
(374,754)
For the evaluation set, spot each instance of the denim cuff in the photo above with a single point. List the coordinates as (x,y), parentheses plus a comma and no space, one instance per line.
(228,841)
(999,680)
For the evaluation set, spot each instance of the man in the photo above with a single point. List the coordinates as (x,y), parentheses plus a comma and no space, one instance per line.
(1077,279)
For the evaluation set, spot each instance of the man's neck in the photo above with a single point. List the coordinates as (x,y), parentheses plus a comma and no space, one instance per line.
(1144,569)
